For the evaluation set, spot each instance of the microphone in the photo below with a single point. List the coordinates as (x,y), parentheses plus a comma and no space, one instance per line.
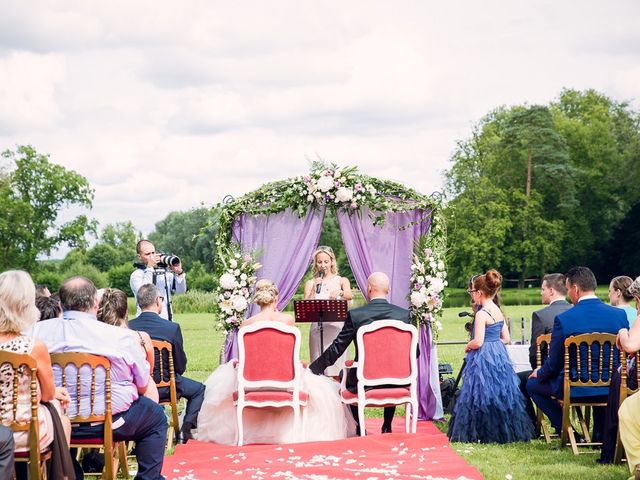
(465,314)
(319,286)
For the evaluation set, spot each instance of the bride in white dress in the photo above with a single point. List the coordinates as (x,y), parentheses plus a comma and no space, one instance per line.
(325,418)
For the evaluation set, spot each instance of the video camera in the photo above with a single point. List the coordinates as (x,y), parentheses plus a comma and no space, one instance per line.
(469,325)
(167,260)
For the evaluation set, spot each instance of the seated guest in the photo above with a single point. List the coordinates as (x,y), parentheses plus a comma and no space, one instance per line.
(18,313)
(620,297)
(49,307)
(553,293)
(135,417)
(378,308)
(629,413)
(113,310)
(158,328)
(588,315)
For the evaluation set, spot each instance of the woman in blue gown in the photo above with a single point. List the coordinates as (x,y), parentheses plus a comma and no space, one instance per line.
(490,408)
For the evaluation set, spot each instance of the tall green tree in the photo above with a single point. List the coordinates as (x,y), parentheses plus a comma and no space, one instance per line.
(189,235)
(33,192)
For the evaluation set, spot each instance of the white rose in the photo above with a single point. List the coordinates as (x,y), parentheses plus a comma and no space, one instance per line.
(239,303)
(310,198)
(438,324)
(420,280)
(236,272)
(233,263)
(243,276)
(417,299)
(226,307)
(440,265)
(344,194)
(325,183)
(436,285)
(317,195)
(228,281)
(371,189)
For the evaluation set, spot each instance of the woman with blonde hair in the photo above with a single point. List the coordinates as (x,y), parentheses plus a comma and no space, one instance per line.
(114,310)
(326,284)
(18,313)
(491,407)
(326,418)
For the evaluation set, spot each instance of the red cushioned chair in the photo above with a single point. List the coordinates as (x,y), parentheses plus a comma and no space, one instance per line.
(269,370)
(387,370)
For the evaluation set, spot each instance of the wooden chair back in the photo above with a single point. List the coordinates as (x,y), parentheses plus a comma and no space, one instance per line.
(20,364)
(90,400)
(627,360)
(163,352)
(542,352)
(589,360)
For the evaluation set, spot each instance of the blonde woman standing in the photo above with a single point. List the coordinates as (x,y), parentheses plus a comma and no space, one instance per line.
(326,284)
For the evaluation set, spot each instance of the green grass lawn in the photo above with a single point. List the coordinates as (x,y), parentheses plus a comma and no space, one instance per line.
(534,460)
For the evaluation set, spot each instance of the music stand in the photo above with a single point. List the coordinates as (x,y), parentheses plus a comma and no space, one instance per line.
(309,311)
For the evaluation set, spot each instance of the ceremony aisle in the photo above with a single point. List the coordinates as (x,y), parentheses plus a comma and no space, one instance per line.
(425,455)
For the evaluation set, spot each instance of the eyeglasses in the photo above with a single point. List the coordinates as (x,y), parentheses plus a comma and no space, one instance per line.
(160,298)
(469,291)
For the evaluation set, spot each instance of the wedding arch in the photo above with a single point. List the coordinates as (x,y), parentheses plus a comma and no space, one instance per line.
(385,226)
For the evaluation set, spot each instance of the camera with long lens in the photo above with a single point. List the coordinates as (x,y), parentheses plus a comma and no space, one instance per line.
(167,260)
(469,325)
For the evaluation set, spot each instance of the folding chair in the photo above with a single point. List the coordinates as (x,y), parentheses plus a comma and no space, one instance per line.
(589,360)
(87,392)
(626,391)
(21,365)
(386,360)
(164,353)
(269,371)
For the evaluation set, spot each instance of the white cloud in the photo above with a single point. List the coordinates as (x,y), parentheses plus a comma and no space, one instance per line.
(163,106)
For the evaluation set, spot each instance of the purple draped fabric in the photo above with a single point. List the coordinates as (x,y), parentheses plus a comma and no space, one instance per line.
(285,243)
(389,249)
(230,346)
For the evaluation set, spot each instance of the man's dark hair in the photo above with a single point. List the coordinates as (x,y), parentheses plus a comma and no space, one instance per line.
(583,277)
(49,307)
(147,294)
(78,293)
(40,289)
(556,281)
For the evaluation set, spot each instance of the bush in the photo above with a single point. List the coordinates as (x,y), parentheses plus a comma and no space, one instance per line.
(118,277)
(50,278)
(199,279)
(194,301)
(98,278)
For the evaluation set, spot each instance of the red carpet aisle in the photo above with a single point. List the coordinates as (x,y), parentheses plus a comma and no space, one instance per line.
(426,455)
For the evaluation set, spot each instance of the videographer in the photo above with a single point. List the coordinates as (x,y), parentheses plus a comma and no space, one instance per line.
(168,277)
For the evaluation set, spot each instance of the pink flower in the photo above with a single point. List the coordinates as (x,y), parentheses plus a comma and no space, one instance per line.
(354,205)
(358,187)
(428,251)
(247,258)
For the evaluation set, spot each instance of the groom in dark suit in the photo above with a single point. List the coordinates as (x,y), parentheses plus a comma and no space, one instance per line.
(588,315)
(158,328)
(378,308)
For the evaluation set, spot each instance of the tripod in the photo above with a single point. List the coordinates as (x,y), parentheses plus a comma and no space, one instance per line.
(163,271)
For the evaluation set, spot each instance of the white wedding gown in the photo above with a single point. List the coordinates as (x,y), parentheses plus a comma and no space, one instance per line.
(324,418)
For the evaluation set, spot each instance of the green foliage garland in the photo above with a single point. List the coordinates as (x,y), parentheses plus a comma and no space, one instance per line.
(343,189)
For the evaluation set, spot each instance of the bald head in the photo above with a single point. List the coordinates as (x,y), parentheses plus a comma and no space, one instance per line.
(79,293)
(378,285)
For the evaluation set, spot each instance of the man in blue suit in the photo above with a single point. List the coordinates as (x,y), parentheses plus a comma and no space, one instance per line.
(589,315)
(158,328)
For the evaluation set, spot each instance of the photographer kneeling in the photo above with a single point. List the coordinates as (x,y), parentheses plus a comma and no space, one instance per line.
(163,271)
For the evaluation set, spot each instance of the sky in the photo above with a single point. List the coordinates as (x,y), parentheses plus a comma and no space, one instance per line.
(167,106)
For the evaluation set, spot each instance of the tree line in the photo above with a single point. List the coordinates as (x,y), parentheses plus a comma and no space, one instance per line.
(540,188)
(534,189)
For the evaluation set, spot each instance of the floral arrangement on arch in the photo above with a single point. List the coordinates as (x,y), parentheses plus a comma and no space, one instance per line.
(428,279)
(235,287)
(347,190)
(343,187)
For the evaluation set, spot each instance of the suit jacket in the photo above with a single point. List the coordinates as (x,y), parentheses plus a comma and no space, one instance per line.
(542,323)
(587,316)
(160,329)
(376,309)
